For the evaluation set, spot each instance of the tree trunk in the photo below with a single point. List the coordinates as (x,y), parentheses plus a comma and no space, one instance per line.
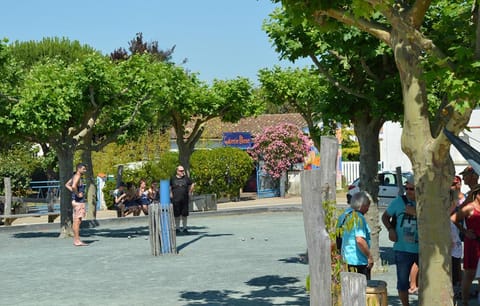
(65,164)
(91,185)
(433,171)
(184,153)
(367,129)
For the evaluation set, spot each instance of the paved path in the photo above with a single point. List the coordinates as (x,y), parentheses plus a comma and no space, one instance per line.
(246,253)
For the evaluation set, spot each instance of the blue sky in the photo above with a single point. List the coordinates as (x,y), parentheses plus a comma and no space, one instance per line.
(219,38)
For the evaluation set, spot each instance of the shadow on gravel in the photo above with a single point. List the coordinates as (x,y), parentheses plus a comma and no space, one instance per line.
(272,288)
(36,235)
(184,245)
(387,255)
(300,258)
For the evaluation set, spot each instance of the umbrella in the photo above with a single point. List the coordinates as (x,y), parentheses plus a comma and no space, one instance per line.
(470,154)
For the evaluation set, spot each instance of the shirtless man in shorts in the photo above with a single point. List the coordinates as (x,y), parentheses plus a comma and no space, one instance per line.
(77,187)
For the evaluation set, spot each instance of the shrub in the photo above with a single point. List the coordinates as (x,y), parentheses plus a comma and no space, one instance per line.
(280,147)
(18,164)
(223,171)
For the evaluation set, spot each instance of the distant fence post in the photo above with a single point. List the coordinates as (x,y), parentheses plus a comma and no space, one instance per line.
(318,185)
(8,196)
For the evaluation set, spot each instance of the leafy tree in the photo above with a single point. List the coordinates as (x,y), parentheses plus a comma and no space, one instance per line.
(354,74)
(279,147)
(138,46)
(61,104)
(189,104)
(436,49)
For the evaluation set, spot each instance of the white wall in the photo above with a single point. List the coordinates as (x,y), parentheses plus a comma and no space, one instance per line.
(391,153)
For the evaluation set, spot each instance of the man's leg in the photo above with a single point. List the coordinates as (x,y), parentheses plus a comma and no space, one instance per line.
(78,213)
(404,262)
(76,231)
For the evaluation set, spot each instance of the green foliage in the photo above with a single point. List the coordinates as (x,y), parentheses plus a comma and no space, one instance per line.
(107,190)
(222,171)
(18,164)
(150,146)
(164,168)
(350,147)
(31,52)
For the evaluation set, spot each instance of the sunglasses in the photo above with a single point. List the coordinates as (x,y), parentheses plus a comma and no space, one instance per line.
(409,188)
(181,170)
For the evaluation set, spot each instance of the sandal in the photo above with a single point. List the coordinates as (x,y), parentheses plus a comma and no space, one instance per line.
(413,291)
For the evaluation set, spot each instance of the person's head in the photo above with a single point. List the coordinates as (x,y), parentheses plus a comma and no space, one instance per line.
(456,183)
(81,168)
(142,183)
(361,201)
(153,185)
(470,177)
(121,186)
(180,171)
(410,188)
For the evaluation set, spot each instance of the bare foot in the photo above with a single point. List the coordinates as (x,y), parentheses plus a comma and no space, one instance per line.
(80,243)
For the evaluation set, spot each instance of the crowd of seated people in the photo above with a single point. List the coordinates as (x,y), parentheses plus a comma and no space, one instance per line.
(128,199)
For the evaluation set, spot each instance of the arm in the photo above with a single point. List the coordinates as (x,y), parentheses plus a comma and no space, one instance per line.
(190,190)
(460,215)
(75,180)
(120,198)
(363,246)
(68,185)
(392,234)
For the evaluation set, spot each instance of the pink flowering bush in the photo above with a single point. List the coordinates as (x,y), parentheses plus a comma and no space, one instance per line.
(279,147)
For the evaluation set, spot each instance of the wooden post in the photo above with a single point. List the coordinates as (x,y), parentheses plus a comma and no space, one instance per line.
(8,196)
(354,288)
(318,185)
(154,228)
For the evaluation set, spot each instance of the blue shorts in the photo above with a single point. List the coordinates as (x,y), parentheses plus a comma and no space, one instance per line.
(404,262)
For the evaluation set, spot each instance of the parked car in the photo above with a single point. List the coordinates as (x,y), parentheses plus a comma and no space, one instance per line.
(387,189)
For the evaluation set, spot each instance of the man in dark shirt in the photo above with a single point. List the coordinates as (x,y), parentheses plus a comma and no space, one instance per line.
(180,188)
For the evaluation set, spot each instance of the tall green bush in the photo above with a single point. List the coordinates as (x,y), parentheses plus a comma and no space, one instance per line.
(163,168)
(223,171)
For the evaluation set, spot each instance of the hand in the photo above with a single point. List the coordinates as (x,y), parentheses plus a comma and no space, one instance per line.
(80,194)
(392,235)
(410,210)
(370,262)
(470,234)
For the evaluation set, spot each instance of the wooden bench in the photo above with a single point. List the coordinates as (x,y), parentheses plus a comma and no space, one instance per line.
(8,219)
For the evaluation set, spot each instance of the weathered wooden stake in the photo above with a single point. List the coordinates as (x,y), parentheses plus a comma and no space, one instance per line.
(317,186)
(8,196)
(354,288)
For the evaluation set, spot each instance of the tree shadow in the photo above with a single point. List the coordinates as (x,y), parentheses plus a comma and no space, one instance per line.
(272,287)
(184,245)
(36,235)
(300,259)
(387,255)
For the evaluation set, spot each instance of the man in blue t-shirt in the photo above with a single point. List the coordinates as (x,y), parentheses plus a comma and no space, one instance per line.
(356,235)
(404,233)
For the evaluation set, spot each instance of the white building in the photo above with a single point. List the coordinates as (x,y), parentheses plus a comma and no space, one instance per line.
(392,156)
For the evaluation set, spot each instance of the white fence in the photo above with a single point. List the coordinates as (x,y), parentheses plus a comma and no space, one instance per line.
(351,170)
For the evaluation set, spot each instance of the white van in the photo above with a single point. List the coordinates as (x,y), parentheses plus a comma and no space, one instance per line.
(387,189)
